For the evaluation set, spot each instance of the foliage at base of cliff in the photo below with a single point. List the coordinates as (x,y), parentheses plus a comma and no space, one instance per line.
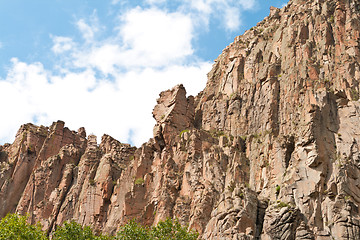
(165,230)
(16,227)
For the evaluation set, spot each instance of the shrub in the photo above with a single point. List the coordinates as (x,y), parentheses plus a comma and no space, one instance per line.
(282,205)
(139,181)
(74,231)
(92,182)
(133,231)
(165,230)
(277,189)
(172,230)
(15,227)
(354,94)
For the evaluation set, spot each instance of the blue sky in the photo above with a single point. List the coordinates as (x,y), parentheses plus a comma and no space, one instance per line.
(101,64)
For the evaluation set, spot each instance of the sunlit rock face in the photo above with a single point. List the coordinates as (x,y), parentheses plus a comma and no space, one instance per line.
(268,150)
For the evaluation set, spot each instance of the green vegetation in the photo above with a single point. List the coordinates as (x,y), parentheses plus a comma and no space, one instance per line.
(241,195)
(231,186)
(231,137)
(92,182)
(233,95)
(183,131)
(266,164)
(133,231)
(256,136)
(15,227)
(30,150)
(216,133)
(72,230)
(354,94)
(277,189)
(139,181)
(171,230)
(282,204)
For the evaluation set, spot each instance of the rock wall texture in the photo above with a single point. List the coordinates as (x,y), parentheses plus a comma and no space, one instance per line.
(268,150)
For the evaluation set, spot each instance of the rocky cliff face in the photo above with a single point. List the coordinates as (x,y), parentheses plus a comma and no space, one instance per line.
(269,149)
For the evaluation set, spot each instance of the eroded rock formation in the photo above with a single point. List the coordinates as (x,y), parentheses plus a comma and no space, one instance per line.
(269,149)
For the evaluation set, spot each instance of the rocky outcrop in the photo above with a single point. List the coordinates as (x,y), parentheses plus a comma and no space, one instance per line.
(268,150)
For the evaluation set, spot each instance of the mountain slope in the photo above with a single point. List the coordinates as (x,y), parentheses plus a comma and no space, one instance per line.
(268,150)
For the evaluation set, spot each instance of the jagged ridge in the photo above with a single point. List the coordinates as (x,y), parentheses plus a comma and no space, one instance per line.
(269,149)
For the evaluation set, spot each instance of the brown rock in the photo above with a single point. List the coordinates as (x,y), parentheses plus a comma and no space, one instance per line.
(269,149)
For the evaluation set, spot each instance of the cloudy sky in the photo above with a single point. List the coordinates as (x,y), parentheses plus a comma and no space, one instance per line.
(102,63)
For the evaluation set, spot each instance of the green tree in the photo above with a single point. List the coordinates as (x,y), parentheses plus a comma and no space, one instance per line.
(74,231)
(16,227)
(164,230)
(133,231)
(171,229)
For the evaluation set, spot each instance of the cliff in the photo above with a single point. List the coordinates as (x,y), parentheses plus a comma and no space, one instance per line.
(268,150)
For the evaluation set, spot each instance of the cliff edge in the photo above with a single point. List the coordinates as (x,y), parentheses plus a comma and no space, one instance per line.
(268,150)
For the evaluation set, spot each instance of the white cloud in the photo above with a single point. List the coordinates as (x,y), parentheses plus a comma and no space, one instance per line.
(146,38)
(203,6)
(119,1)
(19,94)
(201,11)
(62,44)
(89,28)
(159,36)
(228,12)
(151,52)
(85,29)
(232,19)
(155,1)
(112,107)
(247,4)
(105,58)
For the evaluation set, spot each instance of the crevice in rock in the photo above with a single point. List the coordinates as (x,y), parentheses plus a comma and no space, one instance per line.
(261,208)
(62,199)
(290,147)
(276,105)
(241,69)
(3,156)
(242,145)
(198,119)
